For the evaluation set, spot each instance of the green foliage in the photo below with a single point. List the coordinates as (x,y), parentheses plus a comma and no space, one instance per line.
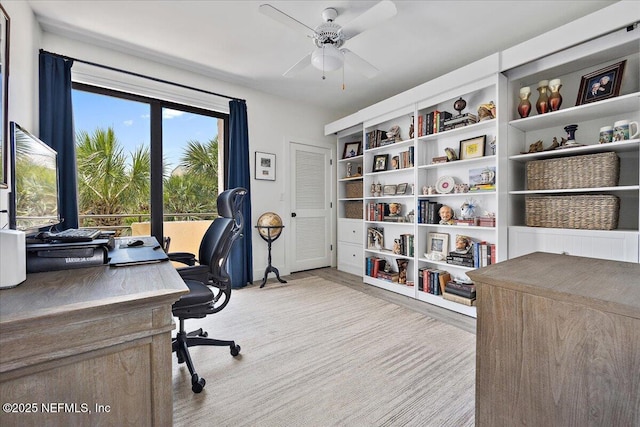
(111,182)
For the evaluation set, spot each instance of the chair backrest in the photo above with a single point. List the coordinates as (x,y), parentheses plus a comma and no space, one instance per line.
(222,233)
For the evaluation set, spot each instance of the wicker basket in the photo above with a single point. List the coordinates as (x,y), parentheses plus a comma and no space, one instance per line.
(588,171)
(353,189)
(353,210)
(587,212)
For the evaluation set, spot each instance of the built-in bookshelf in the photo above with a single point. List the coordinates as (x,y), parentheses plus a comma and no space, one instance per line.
(412,166)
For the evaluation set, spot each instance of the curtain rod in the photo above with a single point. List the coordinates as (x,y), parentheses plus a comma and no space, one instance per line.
(131,73)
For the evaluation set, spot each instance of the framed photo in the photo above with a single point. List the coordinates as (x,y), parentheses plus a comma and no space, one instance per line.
(438,243)
(395,162)
(402,188)
(380,162)
(4,103)
(265,166)
(375,238)
(351,149)
(601,84)
(472,147)
(389,190)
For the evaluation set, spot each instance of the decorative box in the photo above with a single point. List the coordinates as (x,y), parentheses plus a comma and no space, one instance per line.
(587,212)
(587,171)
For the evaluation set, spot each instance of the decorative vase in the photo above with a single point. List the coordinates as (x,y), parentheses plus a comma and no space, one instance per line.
(555,99)
(571,134)
(542,106)
(524,107)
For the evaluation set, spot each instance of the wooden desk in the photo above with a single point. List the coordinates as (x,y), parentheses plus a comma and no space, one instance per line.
(91,346)
(558,342)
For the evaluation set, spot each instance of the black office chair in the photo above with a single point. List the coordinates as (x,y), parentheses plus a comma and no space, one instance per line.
(208,281)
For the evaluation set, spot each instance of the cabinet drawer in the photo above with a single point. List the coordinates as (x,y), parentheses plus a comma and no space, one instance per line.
(350,258)
(350,231)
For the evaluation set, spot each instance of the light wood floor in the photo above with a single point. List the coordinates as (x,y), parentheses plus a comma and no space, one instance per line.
(461,321)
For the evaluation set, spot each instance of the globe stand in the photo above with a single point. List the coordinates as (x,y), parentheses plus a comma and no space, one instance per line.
(269,240)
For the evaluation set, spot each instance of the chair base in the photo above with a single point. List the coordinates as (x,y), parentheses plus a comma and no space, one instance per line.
(183,340)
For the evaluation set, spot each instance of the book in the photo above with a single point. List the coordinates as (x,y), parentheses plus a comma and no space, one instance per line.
(444,278)
(468,291)
(459,299)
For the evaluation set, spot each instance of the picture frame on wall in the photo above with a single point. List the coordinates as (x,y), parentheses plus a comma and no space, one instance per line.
(601,84)
(472,147)
(265,166)
(352,149)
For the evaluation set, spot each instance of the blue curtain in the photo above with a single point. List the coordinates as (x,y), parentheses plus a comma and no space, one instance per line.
(56,129)
(241,257)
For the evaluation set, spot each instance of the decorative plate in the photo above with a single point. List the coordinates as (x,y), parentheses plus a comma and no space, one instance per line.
(445,184)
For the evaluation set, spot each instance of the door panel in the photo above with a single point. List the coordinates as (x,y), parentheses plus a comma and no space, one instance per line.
(311,219)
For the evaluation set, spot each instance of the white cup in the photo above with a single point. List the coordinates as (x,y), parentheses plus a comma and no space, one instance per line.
(606,134)
(622,130)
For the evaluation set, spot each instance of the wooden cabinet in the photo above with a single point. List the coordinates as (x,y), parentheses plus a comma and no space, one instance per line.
(89,346)
(558,342)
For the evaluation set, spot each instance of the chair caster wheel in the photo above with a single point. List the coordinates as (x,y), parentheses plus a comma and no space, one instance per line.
(204,334)
(235,350)
(197,384)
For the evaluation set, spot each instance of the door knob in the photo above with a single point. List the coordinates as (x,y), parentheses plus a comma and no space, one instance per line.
(293,215)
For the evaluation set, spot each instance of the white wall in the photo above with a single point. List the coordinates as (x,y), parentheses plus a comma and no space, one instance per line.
(273,121)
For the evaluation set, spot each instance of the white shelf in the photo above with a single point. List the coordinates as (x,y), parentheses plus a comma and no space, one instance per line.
(581,113)
(447,265)
(465,227)
(352,159)
(618,146)
(450,305)
(491,158)
(580,190)
(467,194)
(391,286)
(399,144)
(485,124)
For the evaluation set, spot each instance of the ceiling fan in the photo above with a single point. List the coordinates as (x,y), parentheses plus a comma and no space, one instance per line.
(329,37)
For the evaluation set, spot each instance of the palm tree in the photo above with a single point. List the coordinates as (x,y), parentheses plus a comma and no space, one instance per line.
(110,181)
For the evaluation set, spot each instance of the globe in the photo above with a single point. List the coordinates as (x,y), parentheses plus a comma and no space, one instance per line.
(269,219)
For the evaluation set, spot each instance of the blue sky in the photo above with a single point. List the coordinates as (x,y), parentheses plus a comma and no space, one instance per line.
(131,124)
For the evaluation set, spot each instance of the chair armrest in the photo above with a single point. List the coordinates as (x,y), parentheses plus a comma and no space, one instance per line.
(185,258)
(199,273)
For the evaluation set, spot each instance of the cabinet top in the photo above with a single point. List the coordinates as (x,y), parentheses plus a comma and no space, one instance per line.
(610,286)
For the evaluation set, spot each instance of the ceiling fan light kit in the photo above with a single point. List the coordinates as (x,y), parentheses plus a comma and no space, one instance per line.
(329,37)
(327,58)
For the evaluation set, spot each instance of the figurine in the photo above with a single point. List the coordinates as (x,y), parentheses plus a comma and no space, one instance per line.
(394,133)
(486,111)
(463,244)
(446,215)
(468,210)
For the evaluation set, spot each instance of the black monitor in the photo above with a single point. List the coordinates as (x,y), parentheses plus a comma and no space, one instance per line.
(34,200)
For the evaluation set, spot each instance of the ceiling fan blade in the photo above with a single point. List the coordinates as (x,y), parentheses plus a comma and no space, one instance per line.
(299,66)
(369,19)
(359,64)
(283,18)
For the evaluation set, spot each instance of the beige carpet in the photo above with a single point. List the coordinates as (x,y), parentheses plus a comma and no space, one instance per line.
(316,353)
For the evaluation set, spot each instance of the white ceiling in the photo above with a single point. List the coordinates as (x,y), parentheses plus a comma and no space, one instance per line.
(232,41)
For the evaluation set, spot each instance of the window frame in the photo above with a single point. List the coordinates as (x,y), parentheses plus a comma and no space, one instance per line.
(155,143)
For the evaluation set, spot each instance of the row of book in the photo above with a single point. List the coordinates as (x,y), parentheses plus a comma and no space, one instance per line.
(405,159)
(432,122)
(375,267)
(432,280)
(405,245)
(375,138)
(460,292)
(378,211)
(428,211)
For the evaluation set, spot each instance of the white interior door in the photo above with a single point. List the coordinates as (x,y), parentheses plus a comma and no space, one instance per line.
(311,210)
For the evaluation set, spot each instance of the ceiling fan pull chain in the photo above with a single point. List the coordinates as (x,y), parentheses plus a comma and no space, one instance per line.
(323,76)
(343,79)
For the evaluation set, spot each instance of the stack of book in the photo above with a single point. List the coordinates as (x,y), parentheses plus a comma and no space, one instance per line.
(432,122)
(432,280)
(463,293)
(463,259)
(483,187)
(460,120)
(375,137)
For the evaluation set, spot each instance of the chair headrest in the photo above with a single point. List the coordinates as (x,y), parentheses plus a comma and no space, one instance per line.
(230,202)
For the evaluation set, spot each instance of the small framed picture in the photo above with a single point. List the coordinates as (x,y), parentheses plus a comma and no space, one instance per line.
(402,188)
(438,243)
(395,162)
(380,162)
(265,167)
(601,84)
(389,190)
(472,147)
(351,149)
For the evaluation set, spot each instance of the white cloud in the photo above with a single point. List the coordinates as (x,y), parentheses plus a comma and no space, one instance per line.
(170,114)
(128,122)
